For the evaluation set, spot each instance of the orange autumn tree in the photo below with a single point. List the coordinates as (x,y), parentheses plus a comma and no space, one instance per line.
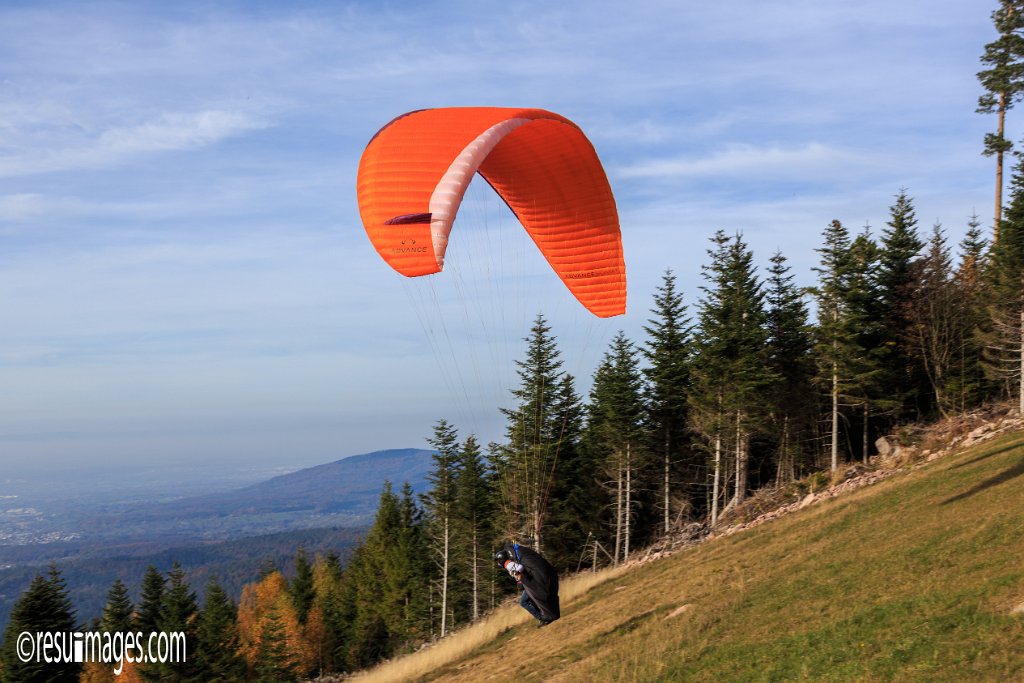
(265,601)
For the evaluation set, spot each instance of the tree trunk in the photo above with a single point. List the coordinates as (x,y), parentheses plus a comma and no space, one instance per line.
(717,477)
(444,581)
(999,170)
(835,417)
(476,577)
(668,442)
(1020,388)
(629,492)
(618,513)
(864,435)
(741,461)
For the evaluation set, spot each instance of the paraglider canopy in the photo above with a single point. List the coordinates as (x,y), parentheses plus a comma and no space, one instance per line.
(415,171)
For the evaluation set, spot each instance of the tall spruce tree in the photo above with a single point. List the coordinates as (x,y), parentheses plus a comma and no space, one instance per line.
(43,608)
(733,375)
(1004,292)
(177,615)
(275,662)
(938,318)
(439,502)
(847,366)
(900,246)
(474,510)
(667,352)
(968,384)
(217,648)
(1003,81)
(151,602)
(385,578)
(570,501)
(789,352)
(117,612)
(535,431)
(300,588)
(614,430)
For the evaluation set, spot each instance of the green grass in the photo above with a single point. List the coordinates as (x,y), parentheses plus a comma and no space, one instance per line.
(913,579)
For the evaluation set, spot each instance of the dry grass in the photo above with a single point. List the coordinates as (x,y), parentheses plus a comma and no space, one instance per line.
(461,643)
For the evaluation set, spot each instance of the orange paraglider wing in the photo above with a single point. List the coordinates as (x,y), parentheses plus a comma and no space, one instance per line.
(415,171)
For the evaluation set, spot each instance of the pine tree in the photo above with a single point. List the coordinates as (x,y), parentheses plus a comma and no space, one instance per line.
(614,430)
(846,335)
(439,502)
(275,662)
(570,501)
(217,645)
(1003,82)
(667,352)
(147,618)
(1004,292)
(410,567)
(117,612)
(730,370)
(177,615)
(535,431)
(43,607)
(900,245)
(301,587)
(789,352)
(384,583)
(936,311)
(967,381)
(474,511)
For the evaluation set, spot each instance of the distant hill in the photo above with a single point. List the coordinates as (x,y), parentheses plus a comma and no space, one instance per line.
(340,493)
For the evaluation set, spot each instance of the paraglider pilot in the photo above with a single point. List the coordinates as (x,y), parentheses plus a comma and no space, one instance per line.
(537,577)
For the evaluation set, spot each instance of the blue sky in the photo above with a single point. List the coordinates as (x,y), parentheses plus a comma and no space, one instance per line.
(184,274)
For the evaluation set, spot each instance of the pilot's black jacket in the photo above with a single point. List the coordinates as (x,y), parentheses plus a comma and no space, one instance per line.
(539,579)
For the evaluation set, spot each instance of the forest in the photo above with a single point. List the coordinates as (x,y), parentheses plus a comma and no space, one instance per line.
(755,384)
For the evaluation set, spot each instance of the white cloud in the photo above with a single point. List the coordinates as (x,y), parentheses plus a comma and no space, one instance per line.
(120,144)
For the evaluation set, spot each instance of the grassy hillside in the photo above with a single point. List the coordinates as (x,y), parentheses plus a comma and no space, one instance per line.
(916,578)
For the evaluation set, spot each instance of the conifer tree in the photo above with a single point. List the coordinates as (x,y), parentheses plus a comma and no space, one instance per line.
(845,334)
(385,579)
(730,371)
(573,492)
(439,502)
(1004,292)
(43,607)
(474,510)
(275,662)
(151,601)
(900,245)
(1003,82)
(614,430)
(328,586)
(411,567)
(177,615)
(967,382)
(789,354)
(938,317)
(217,647)
(117,612)
(667,351)
(536,427)
(301,587)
